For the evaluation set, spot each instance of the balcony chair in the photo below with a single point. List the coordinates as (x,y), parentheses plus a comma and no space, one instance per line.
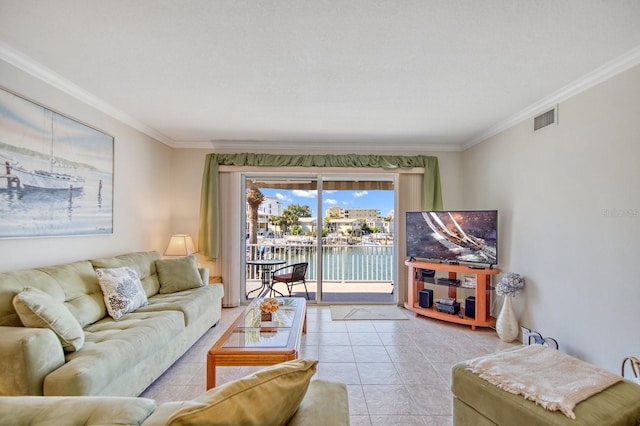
(295,276)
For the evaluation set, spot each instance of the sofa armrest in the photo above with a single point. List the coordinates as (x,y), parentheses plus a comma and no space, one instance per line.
(75,410)
(27,356)
(165,411)
(325,403)
(204,274)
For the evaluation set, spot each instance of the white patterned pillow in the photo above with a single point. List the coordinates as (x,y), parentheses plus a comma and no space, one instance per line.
(122,290)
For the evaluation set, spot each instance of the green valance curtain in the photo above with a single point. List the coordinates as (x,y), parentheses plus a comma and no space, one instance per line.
(208,234)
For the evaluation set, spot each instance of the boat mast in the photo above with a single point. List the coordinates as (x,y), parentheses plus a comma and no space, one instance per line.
(51,160)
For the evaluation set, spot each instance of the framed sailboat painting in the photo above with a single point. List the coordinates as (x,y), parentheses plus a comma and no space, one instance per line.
(56,174)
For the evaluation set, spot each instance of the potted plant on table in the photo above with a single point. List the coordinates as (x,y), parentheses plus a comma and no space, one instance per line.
(267,307)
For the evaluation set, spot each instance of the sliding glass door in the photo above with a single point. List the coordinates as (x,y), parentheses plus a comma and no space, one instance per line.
(341,226)
(281,230)
(358,243)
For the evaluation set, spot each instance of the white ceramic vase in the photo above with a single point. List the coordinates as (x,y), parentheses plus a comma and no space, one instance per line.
(507,323)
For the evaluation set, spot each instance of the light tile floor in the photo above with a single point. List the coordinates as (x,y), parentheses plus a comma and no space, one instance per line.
(397,372)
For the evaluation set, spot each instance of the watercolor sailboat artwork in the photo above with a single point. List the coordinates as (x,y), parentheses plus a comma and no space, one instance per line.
(42,179)
(56,173)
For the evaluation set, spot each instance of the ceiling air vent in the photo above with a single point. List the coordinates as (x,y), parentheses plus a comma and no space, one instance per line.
(546,119)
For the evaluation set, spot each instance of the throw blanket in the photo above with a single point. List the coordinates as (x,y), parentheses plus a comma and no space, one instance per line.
(554,380)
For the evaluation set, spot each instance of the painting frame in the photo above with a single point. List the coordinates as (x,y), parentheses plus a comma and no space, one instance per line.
(56,172)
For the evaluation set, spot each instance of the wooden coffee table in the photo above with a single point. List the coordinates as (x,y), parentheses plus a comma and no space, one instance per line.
(249,341)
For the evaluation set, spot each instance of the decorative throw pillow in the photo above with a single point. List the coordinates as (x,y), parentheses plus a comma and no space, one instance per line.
(269,397)
(178,274)
(122,290)
(40,310)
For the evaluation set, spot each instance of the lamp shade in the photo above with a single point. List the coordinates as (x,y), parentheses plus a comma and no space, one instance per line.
(180,245)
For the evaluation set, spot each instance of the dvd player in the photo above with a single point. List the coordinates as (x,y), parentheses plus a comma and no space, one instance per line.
(449,281)
(448,309)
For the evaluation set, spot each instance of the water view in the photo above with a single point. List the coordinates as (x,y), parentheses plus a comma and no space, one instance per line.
(340,263)
(32,212)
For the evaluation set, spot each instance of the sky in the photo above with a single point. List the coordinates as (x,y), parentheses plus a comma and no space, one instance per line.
(24,124)
(364,199)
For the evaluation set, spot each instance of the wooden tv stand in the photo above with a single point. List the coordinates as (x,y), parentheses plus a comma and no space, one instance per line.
(482,293)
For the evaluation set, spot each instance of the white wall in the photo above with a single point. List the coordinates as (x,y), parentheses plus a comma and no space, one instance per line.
(569,201)
(142,181)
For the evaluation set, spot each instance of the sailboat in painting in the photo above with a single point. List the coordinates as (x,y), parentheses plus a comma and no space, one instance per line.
(43,179)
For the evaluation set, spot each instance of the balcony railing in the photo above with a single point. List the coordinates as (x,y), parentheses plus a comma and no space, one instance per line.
(340,263)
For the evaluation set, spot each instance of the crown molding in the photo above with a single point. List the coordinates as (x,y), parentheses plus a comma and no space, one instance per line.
(48,76)
(595,77)
(309,146)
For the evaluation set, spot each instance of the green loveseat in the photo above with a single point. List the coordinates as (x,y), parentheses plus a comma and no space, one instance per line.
(117,357)
(276,395)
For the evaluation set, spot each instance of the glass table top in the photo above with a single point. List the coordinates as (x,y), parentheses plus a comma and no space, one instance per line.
(252,332)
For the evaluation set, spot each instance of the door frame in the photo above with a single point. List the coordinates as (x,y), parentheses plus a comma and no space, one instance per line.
(319,177)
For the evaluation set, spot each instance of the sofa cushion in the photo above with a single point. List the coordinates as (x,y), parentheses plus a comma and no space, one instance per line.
(143,262)
(123,292)
(178,274)
(269,397)
(75,284)
(38,309)
(324,400)
(115,349)
(192,303)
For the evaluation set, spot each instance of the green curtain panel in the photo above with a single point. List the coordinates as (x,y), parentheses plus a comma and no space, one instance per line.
(209,235)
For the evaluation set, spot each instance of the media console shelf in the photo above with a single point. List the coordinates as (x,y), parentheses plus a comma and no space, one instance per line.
(482,293)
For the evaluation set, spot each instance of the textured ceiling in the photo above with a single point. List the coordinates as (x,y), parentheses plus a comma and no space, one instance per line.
(342,74)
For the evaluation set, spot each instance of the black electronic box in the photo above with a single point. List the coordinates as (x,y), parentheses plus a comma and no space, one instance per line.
(470,306)
(448,305)
(425,298)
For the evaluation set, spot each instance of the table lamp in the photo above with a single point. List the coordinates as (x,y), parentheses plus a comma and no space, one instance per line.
(180,245)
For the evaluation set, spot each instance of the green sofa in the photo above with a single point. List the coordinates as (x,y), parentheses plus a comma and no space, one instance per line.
(118,357)
(276,395)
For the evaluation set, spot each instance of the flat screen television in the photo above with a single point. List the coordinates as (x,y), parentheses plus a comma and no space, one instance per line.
(453,236)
